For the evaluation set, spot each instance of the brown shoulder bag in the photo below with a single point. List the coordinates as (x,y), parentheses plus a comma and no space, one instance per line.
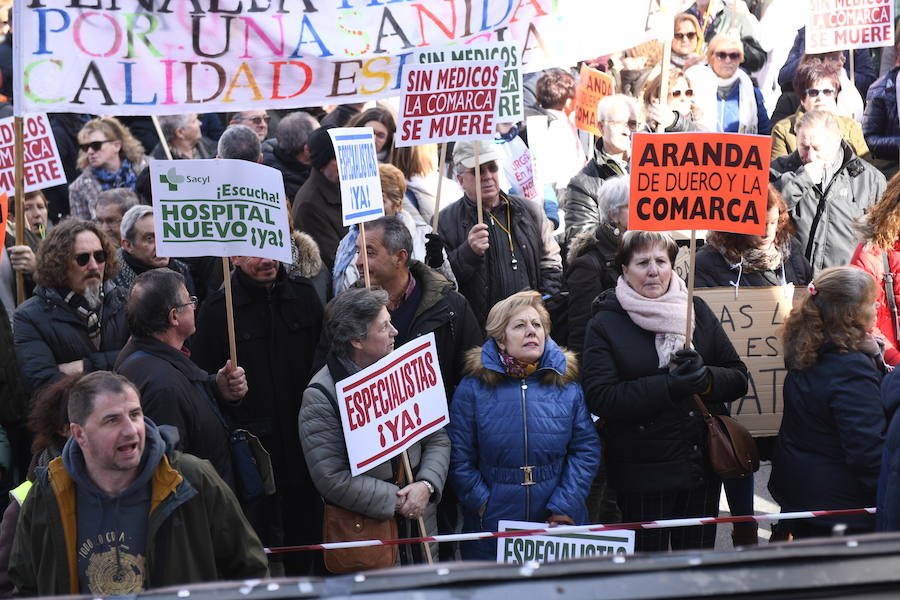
(732,451)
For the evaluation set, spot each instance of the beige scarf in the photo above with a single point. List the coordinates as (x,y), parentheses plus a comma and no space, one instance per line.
(665,316)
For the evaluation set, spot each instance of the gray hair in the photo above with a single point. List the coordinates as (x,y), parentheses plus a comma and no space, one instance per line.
(613,197)
(821,119)
(240,142)
(172,123)
(293,131)
(609,103)
(348,316)
(130,219)
(395,235)
(123,197)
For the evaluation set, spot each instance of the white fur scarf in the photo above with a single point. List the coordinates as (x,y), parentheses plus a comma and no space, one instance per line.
(665,316)
(748,121)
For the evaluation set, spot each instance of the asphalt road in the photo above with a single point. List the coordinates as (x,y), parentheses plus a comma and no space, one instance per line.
(762,504)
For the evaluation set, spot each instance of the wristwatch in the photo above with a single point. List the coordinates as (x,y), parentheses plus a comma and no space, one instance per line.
(428,485)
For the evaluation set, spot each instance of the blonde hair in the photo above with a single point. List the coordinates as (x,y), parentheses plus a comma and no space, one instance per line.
(724,39)
(393,187)
(113,129)
(833,314)
(502,312)
(415,160)
(681,18)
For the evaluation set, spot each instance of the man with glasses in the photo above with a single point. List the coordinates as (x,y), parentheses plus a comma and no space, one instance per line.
(75,322)
(174,391)
(110,207)
(511,250)
(617,117)
(138,251)
(257,120)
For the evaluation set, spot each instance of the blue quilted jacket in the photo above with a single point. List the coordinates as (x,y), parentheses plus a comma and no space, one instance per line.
(499,424)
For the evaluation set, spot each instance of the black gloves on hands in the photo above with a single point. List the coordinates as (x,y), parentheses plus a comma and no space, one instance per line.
(434,250)
(687,374)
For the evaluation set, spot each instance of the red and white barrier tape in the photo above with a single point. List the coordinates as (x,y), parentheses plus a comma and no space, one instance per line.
(564,529)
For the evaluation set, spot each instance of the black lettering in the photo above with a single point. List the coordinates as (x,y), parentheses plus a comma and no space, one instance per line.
(649,156)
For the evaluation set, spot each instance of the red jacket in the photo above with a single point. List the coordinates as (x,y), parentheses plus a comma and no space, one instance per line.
(868,258)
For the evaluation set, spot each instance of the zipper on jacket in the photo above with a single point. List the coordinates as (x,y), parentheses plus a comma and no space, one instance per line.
(527,469)
(820,210)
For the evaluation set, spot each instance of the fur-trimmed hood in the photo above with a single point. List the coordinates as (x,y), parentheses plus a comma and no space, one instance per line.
(603,237)
(306,255)
(558,366)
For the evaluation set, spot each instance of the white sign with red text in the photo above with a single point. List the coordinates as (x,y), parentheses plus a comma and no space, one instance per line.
(835,25)
(43,168)
(392,404)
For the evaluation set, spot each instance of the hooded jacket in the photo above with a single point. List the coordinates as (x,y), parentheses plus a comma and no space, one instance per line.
(195,530)
(830,444)
(826,219)
(499,424)
(888,515)
(654,442)
(49,332)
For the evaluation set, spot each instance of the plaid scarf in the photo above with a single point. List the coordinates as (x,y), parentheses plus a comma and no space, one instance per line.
(90,316)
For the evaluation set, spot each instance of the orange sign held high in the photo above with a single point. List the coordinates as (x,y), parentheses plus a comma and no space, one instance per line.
(714,181)
(593,85)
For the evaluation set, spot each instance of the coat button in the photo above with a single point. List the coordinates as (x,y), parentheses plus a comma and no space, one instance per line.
(357,526)
(695,447)
(690,414)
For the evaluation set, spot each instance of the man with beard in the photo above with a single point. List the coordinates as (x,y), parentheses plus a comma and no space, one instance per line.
(75,322)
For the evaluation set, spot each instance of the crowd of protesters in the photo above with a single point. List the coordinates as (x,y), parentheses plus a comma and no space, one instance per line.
(560,334)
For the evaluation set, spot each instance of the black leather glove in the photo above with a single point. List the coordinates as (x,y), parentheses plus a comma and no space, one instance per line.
(434,250)
(687,374)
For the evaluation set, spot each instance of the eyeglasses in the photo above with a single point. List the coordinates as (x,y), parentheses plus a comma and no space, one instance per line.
(95,146)
(85,257)
(728,55)
(814,93)
(254,120)
(689,36)
(492,166)
(632,125)
(688,93)
(110,221)
(192,301)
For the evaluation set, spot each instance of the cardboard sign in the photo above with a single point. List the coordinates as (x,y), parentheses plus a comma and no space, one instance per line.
(219,208)
(392,404)
(751,321)
(449,102)
(43,168)
(692,181)
(841,25)
(357,162)
(510,108)
(554,548)
(593,85)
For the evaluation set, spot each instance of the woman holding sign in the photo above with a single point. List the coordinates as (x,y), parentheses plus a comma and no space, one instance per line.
(641,382)
(522,443)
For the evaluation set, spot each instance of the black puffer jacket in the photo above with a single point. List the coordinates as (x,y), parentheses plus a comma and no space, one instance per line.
(713,270)
(536,248)
(880,122)
(49,332)
(294,172)
(653,442)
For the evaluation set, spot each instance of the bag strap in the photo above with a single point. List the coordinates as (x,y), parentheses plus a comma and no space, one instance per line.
(889,292)
(703,410)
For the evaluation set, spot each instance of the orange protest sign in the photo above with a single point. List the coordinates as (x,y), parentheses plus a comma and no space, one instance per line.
(592,86)
(4,210)
(715,181)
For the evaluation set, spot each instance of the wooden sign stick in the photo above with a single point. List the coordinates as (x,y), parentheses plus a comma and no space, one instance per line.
(477,183)
(19,182)
(690,301)
(162,138)
(229,310)
(409,479)
(442,157)
(362,237)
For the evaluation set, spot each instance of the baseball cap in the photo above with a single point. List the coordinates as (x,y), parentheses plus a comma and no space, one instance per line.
(464,153)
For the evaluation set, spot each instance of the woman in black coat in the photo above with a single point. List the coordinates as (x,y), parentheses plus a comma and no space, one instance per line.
(829,449)
(641,382)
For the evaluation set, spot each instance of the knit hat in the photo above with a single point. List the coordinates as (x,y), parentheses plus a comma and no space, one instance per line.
(321,150)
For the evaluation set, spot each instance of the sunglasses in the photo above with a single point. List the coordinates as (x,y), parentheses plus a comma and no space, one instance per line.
(632,125)
(688,93)
(95,146)
(814,93)
(492,167)
(84,258)
(728,55)
(689,36)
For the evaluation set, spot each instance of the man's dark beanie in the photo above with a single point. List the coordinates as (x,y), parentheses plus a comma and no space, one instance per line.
(321,150)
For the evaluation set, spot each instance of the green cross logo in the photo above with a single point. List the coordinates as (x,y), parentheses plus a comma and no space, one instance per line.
(172,178)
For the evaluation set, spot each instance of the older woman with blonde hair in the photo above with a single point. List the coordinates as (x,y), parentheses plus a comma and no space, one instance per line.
(828,453)
(739,103)
(522,443)
(110,157)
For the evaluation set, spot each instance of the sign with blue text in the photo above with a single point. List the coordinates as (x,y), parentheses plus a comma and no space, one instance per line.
(357,163)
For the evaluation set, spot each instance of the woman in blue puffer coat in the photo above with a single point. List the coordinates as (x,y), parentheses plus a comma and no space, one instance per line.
(522,443)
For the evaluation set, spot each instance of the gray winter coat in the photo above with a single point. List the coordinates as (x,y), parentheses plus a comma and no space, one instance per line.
(826,220)
(583,193)
(373,493)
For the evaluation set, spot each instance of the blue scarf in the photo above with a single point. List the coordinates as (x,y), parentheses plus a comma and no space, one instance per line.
(125,177)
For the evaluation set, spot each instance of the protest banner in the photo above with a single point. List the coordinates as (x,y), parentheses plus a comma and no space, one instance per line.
(554,548)
(392,404)
(448,102)
(510,108)
(592,86)
(715,181)
(219,208)
(751,320)
(834,25)
(357,162)
(42,167)
(136,57)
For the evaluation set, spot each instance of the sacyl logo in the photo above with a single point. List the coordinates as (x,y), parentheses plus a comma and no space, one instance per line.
(172,178)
